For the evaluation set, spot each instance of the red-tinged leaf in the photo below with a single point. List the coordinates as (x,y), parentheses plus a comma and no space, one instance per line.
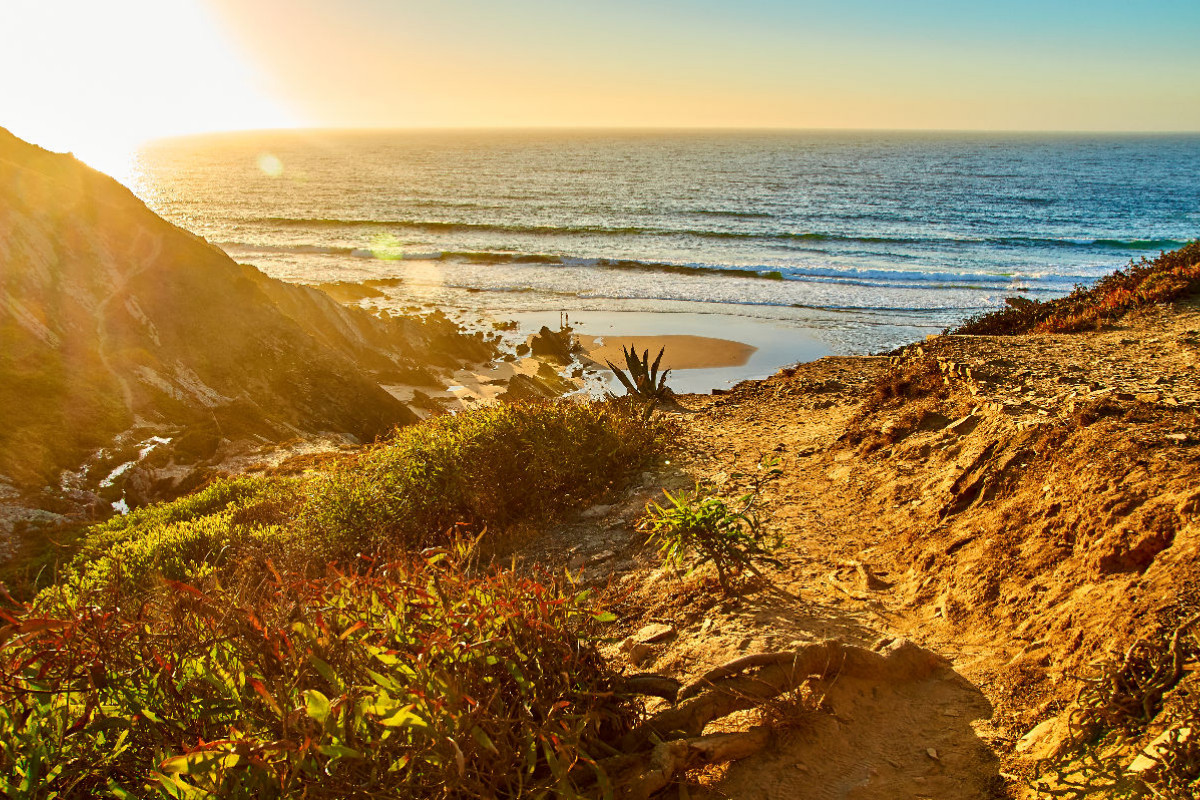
(262,691)
(162,663)
(358,626)
(37,625)
(179,586)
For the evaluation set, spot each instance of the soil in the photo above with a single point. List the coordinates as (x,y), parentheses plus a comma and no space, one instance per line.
(1019,506)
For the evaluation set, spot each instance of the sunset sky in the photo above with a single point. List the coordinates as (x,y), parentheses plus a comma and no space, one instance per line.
(97,77)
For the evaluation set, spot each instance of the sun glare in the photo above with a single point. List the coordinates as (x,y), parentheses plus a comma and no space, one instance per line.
(99,79)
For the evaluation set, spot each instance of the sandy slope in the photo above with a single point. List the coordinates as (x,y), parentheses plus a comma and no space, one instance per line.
(1029,515)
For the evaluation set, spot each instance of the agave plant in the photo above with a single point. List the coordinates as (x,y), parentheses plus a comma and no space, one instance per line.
(643,380)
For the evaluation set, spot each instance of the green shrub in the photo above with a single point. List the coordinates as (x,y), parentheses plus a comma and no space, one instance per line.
(500,467)
(215,527)
(702,527)
(409,680)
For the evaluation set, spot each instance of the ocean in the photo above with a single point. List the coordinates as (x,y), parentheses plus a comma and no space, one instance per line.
(858,241)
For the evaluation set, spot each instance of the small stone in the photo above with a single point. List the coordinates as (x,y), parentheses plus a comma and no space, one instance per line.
(1147,397)
(1035,734)
(929,751)
(638,653)
(654,632)
(1149,758)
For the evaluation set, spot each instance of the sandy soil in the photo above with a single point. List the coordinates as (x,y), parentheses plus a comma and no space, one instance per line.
(1028,516)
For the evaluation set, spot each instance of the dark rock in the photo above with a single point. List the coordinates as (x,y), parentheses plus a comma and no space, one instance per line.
(555,346)
(526,387)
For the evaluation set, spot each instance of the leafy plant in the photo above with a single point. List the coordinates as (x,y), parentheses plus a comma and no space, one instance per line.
(701,526)
(411,679)
(643,381)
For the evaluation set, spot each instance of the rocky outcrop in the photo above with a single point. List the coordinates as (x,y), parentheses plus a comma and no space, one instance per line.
(110,317)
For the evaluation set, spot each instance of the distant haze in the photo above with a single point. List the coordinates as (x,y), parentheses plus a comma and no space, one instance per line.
(94,77)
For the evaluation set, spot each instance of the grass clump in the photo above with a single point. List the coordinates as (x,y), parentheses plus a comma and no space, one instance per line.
(1169,277)
(411,679)
(503,467)
(702,528)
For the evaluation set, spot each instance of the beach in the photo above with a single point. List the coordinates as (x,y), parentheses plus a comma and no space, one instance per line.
(860,242)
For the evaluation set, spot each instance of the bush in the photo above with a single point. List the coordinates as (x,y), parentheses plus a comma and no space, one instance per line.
(409,679)
(1167,278)
(500,468)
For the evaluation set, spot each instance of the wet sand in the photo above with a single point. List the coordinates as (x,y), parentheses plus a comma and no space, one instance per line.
(679,351)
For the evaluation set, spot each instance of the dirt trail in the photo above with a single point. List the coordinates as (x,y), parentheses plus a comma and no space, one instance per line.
(1021,514)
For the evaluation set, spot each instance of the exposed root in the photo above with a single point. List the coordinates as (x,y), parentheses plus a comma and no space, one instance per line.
(645,775)
(731,687)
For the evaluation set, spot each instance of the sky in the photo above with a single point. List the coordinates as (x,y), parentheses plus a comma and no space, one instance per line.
(99,76)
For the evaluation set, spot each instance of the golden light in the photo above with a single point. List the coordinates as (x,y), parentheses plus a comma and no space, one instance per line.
(270,165)
(98,79)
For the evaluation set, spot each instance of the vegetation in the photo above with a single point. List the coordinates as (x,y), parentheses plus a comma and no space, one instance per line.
(501,469)
(643,381)
(408,679)
(209,646)
(1169,277)
(698,526)
(909,380)
(1144,703)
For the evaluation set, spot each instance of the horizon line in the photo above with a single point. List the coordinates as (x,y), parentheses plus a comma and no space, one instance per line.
(665,129)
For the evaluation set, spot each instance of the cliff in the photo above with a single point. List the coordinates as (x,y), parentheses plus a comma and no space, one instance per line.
(112,317)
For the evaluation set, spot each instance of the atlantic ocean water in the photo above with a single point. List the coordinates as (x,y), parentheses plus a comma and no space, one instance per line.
(864,240)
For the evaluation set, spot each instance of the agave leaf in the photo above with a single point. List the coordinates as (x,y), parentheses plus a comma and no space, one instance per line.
(621,377)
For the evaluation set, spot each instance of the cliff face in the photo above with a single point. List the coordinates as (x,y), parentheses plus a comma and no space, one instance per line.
(110,317)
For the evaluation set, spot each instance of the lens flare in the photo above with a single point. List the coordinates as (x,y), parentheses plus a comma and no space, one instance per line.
(386,247)
(270,165)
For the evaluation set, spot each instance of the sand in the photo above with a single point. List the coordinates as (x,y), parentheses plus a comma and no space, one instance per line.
(680,352)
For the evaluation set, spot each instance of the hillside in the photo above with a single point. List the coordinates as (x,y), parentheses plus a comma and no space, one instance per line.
(113,319)
(1025,506)
(964,570)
